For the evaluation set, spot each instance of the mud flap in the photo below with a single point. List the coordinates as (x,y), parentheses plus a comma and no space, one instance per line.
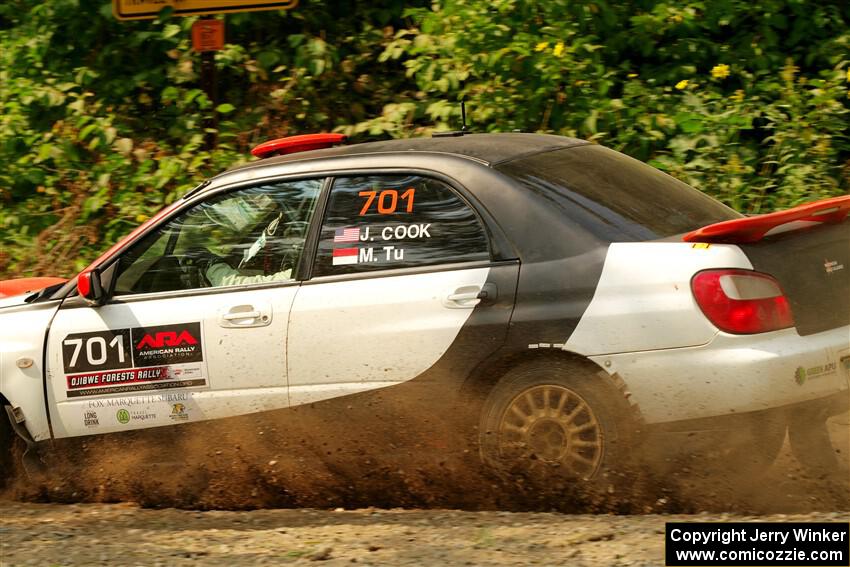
(33,465)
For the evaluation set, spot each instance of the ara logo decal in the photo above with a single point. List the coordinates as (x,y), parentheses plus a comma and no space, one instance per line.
(165,345)
(166,338)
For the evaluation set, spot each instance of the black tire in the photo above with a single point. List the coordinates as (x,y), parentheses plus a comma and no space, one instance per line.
(553,420)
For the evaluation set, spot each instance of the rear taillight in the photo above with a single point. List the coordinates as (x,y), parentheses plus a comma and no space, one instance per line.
(741,301)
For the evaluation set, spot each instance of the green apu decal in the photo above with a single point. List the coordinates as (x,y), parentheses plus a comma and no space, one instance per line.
(803,374)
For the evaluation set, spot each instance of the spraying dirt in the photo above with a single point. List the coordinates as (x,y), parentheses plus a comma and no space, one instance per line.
(341,488)
(307,457)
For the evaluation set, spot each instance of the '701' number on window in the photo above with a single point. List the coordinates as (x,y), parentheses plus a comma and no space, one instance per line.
(387,200)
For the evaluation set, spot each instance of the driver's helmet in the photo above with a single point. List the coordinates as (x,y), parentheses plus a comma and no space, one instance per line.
(235,215)
(230,224)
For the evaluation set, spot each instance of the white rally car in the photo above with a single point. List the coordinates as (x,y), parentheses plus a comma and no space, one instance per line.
(556,297)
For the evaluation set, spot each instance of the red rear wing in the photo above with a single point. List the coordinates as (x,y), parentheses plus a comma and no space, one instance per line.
(753,229)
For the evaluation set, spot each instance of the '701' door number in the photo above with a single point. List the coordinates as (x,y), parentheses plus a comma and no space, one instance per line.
(101,350)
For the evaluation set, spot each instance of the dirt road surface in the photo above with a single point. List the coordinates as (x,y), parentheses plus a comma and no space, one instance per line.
(125,534)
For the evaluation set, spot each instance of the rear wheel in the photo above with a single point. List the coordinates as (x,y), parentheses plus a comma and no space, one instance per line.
(555,420)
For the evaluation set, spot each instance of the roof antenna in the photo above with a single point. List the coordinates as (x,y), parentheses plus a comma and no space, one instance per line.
(463,115)
(455,133)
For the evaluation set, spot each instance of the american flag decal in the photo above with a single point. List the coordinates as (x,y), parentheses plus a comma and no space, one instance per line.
(347,235)
(344,256)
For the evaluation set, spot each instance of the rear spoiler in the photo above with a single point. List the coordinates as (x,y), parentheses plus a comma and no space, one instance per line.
(753,229)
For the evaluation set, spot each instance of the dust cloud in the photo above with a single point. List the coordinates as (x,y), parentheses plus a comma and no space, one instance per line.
(323,456)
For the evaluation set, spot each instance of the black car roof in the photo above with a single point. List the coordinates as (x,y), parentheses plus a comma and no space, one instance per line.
(490,149)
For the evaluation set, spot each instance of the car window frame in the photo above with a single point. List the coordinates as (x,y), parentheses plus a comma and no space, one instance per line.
(459,190)
(496,239)
(72,299)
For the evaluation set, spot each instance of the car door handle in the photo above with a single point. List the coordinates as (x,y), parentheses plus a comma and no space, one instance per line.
(468,296)
(245,316)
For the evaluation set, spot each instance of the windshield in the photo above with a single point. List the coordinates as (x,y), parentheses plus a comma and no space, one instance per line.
(614,196)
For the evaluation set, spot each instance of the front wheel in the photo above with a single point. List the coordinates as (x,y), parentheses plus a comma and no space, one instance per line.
(556,420)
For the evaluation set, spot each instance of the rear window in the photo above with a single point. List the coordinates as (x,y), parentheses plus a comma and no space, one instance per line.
(616,197)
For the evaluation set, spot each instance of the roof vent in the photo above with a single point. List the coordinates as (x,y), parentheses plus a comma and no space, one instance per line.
(295,144)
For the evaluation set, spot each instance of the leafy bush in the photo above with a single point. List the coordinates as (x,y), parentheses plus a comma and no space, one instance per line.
(744,100)
(102,122)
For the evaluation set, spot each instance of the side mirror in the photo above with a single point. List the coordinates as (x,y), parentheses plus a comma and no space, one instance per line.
(90,288)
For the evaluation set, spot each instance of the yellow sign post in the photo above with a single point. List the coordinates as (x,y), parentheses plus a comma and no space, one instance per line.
(149,9)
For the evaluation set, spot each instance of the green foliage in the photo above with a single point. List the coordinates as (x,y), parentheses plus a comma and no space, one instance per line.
(744,100)
(103,122)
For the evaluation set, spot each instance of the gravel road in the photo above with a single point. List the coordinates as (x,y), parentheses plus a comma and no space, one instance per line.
(125,534)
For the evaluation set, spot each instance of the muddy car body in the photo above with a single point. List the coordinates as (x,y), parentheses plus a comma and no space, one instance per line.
(561,296)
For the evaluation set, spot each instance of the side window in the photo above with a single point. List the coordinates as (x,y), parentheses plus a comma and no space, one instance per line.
(386,222)
(253,235)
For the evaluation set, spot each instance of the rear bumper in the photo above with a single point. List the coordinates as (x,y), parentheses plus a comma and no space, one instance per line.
(819,409)
(734,374)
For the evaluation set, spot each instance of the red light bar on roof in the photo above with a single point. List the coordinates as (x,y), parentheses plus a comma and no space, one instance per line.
(753,229)
(294,144)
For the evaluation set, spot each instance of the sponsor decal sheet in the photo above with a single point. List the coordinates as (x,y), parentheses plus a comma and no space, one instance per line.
(134,360)
(145,410)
